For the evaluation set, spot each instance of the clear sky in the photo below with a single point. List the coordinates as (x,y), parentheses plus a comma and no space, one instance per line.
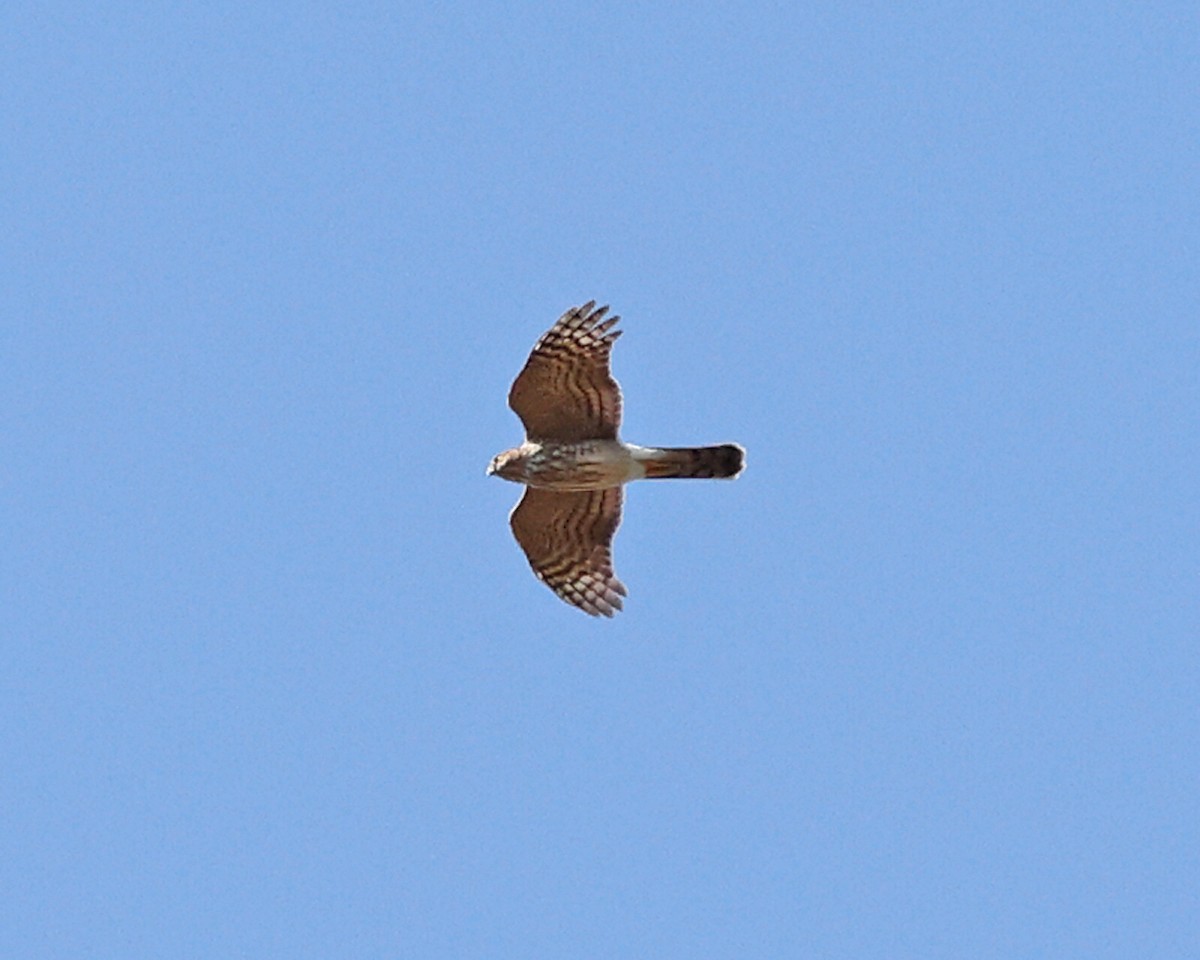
(277,682)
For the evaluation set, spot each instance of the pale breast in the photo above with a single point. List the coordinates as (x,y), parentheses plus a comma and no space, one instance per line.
(590,465)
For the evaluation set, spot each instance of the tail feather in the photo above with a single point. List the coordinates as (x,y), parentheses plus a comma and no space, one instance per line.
(724,462)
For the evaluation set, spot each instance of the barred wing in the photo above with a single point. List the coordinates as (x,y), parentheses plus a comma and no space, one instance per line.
(567,537)
(566,390)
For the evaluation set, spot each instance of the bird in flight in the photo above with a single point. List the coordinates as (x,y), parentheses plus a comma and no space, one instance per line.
(573,464)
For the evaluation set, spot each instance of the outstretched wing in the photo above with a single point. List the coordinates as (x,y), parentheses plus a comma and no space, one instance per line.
(567,537)
(566,390)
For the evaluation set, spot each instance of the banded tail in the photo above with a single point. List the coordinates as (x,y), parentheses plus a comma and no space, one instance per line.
(722,462)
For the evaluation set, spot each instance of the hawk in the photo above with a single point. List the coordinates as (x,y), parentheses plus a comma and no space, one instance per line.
(573,464)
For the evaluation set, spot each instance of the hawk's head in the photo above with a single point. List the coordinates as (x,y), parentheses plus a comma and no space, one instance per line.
(510,465)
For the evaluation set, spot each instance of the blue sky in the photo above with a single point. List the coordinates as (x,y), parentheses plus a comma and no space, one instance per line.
(276,680)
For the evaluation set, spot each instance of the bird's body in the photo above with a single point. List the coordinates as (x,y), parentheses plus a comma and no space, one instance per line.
(582,465)
(574,464)
(596,464)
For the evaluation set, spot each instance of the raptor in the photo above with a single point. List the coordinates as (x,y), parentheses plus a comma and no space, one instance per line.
(574,465)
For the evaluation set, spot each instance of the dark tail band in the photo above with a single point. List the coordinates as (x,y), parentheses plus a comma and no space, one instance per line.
(722,462)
